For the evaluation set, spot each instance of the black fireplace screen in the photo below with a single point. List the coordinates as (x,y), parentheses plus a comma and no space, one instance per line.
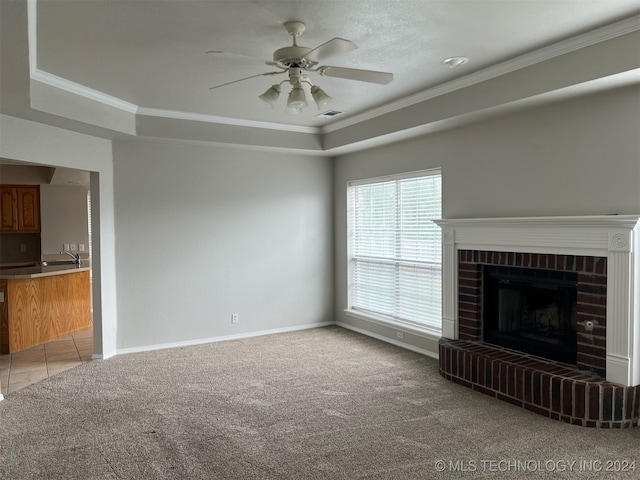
(531,310)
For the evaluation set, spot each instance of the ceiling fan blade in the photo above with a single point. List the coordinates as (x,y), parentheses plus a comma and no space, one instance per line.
(355,74)
(335,46)
(247,78)
(220,53)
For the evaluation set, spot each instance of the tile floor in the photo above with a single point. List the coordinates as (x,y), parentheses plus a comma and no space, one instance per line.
(23,368)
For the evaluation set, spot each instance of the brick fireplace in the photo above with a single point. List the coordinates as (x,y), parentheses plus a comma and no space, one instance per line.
(598,387)
(591,298)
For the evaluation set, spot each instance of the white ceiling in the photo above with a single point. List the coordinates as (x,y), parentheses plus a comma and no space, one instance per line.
(152,53)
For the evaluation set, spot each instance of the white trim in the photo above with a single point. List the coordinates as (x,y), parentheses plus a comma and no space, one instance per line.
(426,332)
(593,37)
(32,34)
(406,346)
(429,172)
(102,356)
(203,117)
(200,341)
(82,91)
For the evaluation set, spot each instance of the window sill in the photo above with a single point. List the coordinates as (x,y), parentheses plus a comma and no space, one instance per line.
(426,332)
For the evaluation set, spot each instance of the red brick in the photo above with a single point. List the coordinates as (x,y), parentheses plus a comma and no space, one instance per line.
(462,382)
(528,389)
(593,350)
(579,400)
(567,397)
(570,262)
(486,391)
(593,396)
(512,401)
(591,340)
(591,361)
(543,261)
(597,310)
(471,291)
(592,279)
(590,298)
(618,403)
(556,394)
(510,258)
(480,371)
(469,282)
(518,379)
(607,403)
(588,267)
(536,409)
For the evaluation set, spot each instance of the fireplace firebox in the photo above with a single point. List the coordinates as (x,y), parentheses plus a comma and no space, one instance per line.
(531,310)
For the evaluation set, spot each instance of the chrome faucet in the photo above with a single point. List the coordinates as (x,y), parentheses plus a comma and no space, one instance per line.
(75,256)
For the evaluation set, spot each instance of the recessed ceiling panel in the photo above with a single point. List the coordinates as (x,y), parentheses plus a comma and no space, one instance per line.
(153,54)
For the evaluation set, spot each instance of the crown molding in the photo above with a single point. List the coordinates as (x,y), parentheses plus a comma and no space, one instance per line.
(109,100)
(569,45)
(82,91)
(32,36)
(203,117)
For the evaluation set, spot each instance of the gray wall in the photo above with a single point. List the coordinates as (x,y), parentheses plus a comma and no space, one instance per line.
(579,157)
(65,217)
(203,232)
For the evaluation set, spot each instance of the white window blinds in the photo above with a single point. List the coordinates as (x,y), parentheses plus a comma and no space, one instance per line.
(395,248)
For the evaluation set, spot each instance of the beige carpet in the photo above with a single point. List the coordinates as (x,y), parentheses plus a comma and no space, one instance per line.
(316,404)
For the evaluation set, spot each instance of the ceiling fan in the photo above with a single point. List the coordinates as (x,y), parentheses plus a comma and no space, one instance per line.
(297,61)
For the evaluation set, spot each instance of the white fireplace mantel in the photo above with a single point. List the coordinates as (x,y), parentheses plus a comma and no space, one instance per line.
(616,237)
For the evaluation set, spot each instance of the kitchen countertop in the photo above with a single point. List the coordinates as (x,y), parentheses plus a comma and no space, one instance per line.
(37,272)
(6,266)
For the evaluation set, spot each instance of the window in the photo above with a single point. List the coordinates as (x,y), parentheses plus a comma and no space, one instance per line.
(395,258)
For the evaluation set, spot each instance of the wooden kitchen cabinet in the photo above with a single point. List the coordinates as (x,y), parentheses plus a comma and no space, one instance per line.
(8,209)
(41,304)
(20,208)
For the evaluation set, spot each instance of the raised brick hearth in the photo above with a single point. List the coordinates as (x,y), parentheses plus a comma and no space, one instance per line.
(544,387)
(602,389)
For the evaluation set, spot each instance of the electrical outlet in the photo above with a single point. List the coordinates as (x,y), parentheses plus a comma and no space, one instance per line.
(23,247)
(400,335)
(81,247)
(234,318)
(65,247)
(74,247)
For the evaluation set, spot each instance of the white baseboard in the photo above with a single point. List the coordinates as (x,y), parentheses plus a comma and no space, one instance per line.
(102,356)
(201,341)
(422,351)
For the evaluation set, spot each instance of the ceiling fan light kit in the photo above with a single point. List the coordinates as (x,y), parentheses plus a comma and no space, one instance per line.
(298,60)
(270,97)
(319,96)
(297,98)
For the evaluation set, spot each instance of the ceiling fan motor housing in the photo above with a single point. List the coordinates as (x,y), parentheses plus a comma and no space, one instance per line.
(292,56)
